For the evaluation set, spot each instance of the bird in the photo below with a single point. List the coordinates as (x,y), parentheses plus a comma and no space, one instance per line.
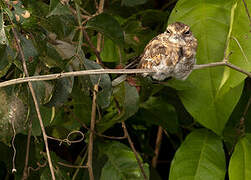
(170,54)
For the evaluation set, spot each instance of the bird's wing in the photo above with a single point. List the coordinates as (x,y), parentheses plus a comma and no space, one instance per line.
(157,50)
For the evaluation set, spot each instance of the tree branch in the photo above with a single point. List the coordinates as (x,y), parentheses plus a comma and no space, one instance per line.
(203,66)
(134,151)
(110,71)
(34,99)
(157,147)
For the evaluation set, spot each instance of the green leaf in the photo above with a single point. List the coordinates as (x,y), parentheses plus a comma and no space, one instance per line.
(239,39)
(110,52)
(125,106)
(107,25)
(166,116)
(104,82)
(133,2)
(65,49)
(201,156)
(240,162)
(61,92)
(210,23)
(59,10)
(121,163)
(6,59)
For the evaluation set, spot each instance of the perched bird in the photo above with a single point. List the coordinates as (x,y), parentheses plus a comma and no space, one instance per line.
(170,54)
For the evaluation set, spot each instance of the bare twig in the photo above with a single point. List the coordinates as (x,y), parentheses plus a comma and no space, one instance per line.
(246,7)
(71,74)
(202,66)
(39,166)
(110,71)
(90,143)
(35,100)
(97,53)
(157,147)
(25,171)
(99,134)
(99,36)
(134,151)
(71,166)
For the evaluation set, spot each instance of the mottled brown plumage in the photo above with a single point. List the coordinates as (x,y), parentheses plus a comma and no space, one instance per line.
(171,54)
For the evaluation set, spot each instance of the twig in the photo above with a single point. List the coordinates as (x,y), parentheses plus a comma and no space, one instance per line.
(81,162)
(71,166)
(90,143)
(134,151)
(72,74)
(157,147)
(99,36)
(25,171)
(97,53)
(35,100)
(202,66)
(246,7)
(39,166)
(110,71)
(99,134)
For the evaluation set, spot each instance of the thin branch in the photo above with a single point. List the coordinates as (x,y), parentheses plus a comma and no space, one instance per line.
(35,100)
(91,45)
(25,171)
(246,8)
(99,36)
(109,71)
(203,66)
(99,134)
(157,147)
(71,166)
(90,143)
(134,151)
(72,74)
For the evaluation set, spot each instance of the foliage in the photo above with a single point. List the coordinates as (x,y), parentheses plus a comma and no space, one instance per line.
(206,118)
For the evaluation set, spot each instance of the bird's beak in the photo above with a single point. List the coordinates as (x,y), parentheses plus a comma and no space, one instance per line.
(177,39)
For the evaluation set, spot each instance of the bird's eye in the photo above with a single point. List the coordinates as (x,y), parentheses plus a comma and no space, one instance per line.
(187,32)
(167,31)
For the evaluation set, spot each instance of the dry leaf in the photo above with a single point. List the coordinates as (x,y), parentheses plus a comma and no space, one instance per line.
(26,14)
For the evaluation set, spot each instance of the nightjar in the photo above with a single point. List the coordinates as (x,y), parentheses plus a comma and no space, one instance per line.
(170,54)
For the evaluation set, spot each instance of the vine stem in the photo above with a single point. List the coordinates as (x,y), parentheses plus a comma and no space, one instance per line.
(35,101)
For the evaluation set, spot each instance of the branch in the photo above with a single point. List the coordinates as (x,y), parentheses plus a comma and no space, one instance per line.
(157,147)
(91,45)
(203,66)
(109,71)
(246,8)
(134,151)
(34,99)
(25,171)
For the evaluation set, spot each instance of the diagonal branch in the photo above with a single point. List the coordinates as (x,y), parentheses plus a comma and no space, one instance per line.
(35,100)
(134,151)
